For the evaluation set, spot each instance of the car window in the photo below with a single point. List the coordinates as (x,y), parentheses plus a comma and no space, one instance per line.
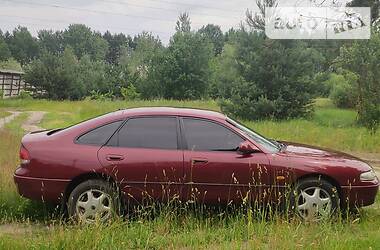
(202,135)
(100,135)
(149,132)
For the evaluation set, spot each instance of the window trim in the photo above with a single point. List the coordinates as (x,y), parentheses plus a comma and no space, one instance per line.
(178,132)
(76,139)
(183,136)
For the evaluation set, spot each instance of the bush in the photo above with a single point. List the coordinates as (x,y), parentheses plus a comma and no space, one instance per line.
(343,95)
(1,94)
(342,87)
(11,64)
(25,95)
(369,117)
(98,96)
(130,92)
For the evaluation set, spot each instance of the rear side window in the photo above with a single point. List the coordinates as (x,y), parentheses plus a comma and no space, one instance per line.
(202,135)
(100,135)
(148,132)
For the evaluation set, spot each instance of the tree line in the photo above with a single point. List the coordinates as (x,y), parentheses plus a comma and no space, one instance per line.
(253,77)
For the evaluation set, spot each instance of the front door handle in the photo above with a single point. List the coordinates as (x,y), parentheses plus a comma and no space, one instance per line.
(115,157)
(198,161)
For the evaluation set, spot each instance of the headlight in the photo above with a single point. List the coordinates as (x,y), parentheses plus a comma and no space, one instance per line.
(368,176)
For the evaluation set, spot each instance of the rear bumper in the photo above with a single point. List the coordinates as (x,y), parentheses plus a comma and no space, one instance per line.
(49,190)
(360,196)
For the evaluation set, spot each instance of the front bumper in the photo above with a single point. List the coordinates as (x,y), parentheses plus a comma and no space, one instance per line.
(360,196)
(35,188)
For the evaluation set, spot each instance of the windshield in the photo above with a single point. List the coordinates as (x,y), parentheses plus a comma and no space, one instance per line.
(266,143)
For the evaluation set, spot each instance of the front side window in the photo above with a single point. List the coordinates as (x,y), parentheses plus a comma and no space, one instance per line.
(149,132)
(100,135)
(202,135)
(266,143)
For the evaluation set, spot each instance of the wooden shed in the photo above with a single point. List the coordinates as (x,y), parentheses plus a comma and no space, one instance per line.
(11,83)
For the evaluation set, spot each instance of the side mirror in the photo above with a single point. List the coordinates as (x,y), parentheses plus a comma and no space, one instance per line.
(247,148)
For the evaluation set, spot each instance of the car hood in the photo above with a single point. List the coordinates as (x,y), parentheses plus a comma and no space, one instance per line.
(302,150)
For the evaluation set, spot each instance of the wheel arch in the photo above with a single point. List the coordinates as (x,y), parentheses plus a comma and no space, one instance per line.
(85,177)
(325,177)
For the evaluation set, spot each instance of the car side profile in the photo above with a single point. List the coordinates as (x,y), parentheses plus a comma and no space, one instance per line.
(97,166)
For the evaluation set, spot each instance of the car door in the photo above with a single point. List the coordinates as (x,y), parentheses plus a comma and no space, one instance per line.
(215,172)
(145,158)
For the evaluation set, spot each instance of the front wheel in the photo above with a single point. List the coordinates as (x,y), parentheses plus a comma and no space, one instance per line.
(93,200)
(315,199)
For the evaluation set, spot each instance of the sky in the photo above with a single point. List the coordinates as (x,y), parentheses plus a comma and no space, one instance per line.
(121,16)
(129,16)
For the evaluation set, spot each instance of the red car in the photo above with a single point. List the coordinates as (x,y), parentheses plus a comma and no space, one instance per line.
(97,166)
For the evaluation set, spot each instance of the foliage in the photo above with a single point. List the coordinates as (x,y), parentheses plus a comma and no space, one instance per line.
(183,25)
(225,72)
(25,95)
(362,58)
(23,46)
(370,118)
(215,35)
(1,94)
(277,77)
(130,92)
(83,41)
(343,87)
(56,75)
(5,53)
(50,41)
(116,44)
(10,64)
(185,67)
(98,96)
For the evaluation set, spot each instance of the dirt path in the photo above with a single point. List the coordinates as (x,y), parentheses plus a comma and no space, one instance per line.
(35,118)
(9,118)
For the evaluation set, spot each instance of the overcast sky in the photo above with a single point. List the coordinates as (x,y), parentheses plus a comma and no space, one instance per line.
(126,16)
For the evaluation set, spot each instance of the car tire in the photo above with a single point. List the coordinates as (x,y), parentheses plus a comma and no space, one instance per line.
(93,200)
(314,199)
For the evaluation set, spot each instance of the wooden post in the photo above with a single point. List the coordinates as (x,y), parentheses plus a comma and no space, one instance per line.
(10,91)
(2,85)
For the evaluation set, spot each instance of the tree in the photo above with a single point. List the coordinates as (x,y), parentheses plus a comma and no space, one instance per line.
(256,20)
(5,53)
(224,72)
(276,78)
(215,35)
(362,58)
(116,43)
(57,75)
(85,42)
(183,24)
(22,45)
(186,72)
(51,41)
(343,88)
(138,62)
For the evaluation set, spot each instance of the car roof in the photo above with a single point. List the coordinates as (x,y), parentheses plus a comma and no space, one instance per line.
(200,113)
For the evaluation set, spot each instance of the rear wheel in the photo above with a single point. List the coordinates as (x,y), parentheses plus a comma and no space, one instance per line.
(93,200)
(315,199)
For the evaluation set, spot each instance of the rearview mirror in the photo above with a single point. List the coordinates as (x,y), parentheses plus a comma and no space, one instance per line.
(246,148)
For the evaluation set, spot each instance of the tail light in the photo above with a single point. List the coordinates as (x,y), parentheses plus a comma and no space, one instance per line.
(24,155)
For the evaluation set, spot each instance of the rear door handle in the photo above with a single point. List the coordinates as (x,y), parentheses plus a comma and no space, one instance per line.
(115,157)
(198,161)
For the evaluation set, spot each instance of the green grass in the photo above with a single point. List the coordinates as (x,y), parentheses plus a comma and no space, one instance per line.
(34,225)
(4,114)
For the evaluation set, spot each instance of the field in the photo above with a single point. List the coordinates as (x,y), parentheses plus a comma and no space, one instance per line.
(34,225)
